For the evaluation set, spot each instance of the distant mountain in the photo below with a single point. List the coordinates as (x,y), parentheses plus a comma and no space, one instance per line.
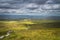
(11,17)
(18,17)
(53,18)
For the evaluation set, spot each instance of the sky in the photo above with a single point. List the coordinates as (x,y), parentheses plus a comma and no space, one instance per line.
(30,7)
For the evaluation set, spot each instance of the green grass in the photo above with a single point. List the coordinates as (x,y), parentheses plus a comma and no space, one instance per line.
(38,29)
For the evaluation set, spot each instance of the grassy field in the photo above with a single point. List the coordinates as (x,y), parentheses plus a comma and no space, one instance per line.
(30,30)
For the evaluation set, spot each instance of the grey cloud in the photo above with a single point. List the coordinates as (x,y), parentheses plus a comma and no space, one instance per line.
(57,1)
(16,4)
(28,1)
(26,6)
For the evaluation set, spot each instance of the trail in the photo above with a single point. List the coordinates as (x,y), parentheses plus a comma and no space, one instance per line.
(7,34)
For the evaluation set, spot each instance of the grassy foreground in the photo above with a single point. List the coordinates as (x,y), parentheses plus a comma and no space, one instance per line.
(30,30)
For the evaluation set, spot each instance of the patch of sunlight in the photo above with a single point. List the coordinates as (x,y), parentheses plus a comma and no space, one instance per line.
(10,21)
(26,21)
(19,28)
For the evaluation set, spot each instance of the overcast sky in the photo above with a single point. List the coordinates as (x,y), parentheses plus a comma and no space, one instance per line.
(30,7)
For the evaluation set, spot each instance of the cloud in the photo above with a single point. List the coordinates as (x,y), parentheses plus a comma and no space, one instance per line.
(51,6)
(27,7)
(32,6)
(50,2)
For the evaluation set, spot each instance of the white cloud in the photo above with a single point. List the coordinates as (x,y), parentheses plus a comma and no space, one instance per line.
(31,5)
(51,6)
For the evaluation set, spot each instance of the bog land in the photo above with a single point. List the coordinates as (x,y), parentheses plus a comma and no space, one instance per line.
(28,29)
